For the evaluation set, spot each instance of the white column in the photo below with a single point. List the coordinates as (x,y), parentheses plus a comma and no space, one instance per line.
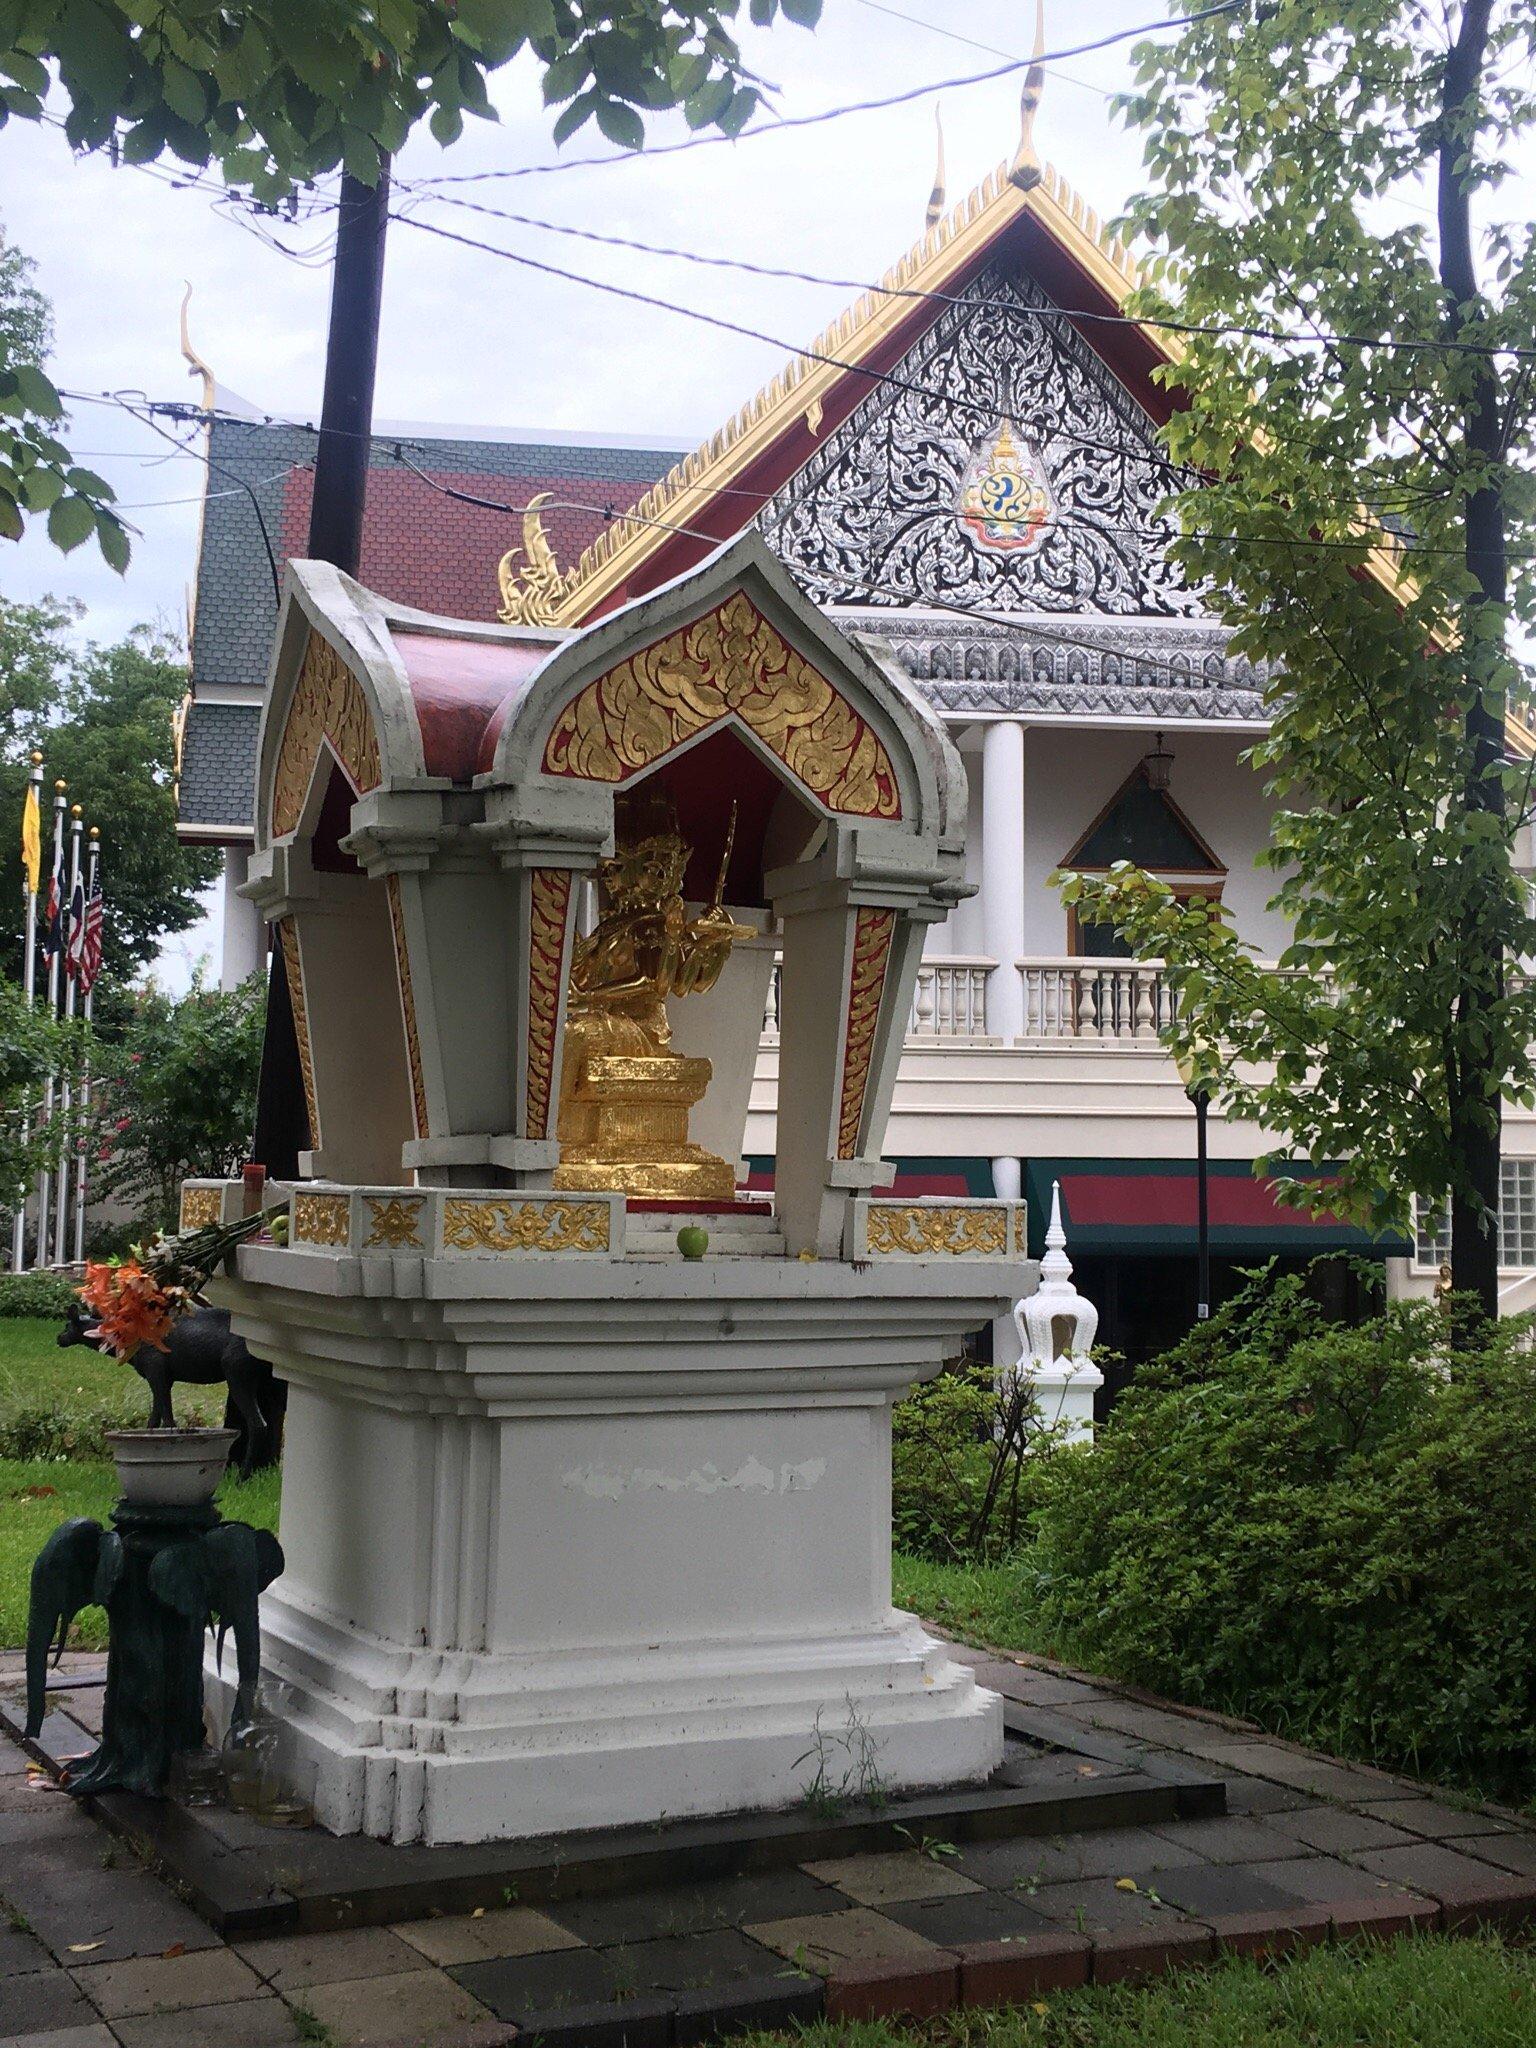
(1002,874)
(245,944)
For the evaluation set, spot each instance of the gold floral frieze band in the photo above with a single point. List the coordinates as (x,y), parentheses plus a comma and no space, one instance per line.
(476,1225)
(922,1232)
(200,1207)
(394,1221)
(321,1219)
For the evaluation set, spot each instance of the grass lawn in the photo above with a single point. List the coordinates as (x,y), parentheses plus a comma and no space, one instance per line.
(35,1497)
(988,1603)
(1428,1991)
(36,1372)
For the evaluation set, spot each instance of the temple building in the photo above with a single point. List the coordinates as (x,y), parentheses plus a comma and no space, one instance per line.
(965,467)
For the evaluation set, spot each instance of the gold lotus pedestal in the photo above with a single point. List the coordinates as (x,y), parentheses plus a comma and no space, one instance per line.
(624,1126)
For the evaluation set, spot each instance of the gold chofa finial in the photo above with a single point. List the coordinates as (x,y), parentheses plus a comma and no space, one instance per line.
(935,211)
(534,597)
(1026,171)
(196,367)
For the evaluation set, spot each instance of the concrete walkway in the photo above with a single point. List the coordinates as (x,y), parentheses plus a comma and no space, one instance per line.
(95,1952)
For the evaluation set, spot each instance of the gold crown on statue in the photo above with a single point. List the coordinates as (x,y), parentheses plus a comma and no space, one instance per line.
(649,858)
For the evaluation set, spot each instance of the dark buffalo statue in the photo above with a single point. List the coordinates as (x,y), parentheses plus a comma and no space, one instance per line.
(202,1352)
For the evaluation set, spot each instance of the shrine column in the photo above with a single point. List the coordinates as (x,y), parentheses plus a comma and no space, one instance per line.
(244,951)
(1002,875)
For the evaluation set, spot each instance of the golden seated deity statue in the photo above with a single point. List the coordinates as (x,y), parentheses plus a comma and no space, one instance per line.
(624,1094)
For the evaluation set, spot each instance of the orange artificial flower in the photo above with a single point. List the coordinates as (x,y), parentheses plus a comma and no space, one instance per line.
(132,1309)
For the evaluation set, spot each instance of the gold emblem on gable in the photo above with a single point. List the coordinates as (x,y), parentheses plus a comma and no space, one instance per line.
(1005,500)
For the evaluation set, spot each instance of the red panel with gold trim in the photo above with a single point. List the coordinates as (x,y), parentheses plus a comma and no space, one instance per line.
(408,1006)
(873,931)
(548,911)
(731,661)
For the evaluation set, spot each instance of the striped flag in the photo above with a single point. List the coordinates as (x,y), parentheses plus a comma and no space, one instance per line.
(75,949)
(90,944)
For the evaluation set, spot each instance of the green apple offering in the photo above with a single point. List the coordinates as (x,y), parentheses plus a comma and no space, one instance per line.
(693,1241)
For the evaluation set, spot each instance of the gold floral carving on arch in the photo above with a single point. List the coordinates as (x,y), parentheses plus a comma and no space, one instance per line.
(288,935)
(729,661)
(328,706)
(549,892)
(873,931)
(408,1006)
(322,1219)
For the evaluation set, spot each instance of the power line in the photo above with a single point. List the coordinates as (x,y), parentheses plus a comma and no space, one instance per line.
(788,274)
(895,99)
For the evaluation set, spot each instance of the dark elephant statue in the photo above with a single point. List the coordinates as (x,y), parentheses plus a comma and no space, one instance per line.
(201,1351)
(79,1566)
(162,1584)
(214,1579)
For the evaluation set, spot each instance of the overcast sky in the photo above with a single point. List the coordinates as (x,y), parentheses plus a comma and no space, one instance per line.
(471,339)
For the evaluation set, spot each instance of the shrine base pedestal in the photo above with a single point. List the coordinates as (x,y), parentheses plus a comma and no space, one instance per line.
(578,1543)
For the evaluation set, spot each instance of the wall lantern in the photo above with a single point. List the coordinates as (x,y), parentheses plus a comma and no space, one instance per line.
(1159,765)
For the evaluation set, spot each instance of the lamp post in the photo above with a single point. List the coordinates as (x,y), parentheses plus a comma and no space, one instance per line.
(1193,1068)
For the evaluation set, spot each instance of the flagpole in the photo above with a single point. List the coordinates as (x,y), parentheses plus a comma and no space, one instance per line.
(29,991)
(61,1230)
(55,964)
(91,884)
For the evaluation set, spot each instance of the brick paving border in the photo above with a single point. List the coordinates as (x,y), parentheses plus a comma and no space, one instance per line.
(1313,1849)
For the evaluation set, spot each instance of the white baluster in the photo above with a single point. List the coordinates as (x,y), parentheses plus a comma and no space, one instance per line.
(1146,1006)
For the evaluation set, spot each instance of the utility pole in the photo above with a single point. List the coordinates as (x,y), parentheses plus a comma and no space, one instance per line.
(335,535)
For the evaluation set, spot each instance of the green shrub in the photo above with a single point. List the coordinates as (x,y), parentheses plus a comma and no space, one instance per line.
(1321,1527)
(35,1294)
(965,1455)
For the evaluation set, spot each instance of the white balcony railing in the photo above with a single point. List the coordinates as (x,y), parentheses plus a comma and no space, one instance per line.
(1113,1001)
(950,1000)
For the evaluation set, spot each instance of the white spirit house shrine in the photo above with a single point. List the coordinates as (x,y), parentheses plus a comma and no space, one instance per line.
(586,1501)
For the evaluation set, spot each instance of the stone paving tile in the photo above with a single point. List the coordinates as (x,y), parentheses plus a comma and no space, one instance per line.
(1057,1770)
(1259,1796)
(1337,1830)
(821,1941)
(1229,1838)
(774,2004)
(21,1951)
(59,1824)
(96,2034)
(168,1983)
(978,1917)
(1305,1772)
(510,1986)
(1512,1852)
(1099,1906)
(503,1931)
(1434,1818)
(1324,1880)
(263,2022)
(40,2000)
(290,1962)
(360,2011)
(903,1874)
(1100,1852)
(691,1908)
(70,1900)
(691,1962)
(1219,1890)
(1458,1882)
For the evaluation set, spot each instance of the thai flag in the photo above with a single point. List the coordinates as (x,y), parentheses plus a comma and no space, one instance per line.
(53,909)
(76,946)
(90,945)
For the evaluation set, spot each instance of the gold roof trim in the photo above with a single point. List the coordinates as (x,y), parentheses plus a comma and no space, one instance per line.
(799,388)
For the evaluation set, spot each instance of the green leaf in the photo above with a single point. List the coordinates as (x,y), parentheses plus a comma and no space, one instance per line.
(112,538)
(36,392)
(185,93)
(621,124)
(805,13)
(71,521)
